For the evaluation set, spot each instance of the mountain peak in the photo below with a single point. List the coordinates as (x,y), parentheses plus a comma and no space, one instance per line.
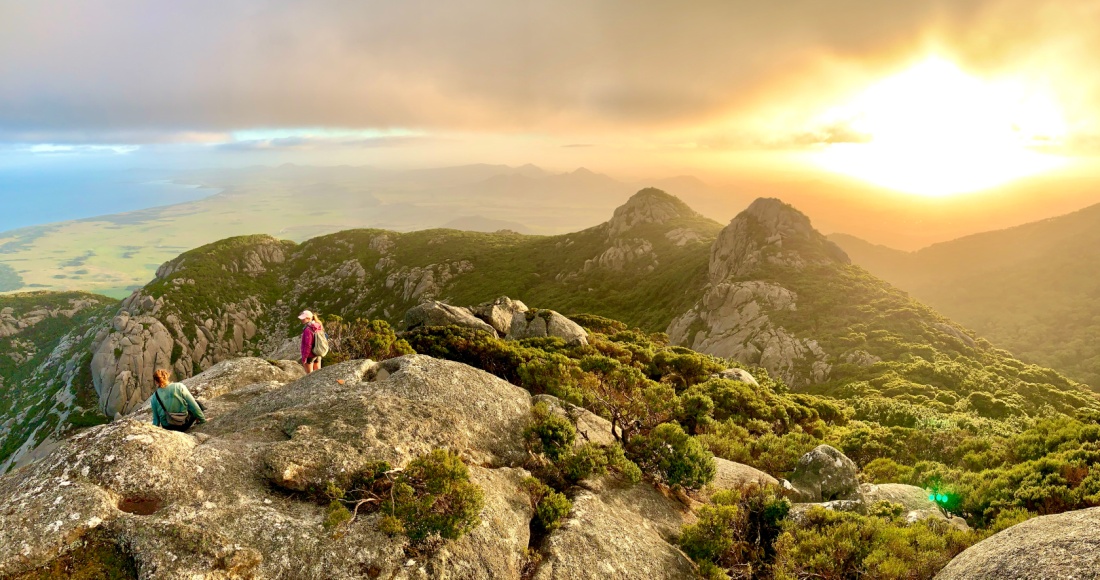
(774,232)
(648,206)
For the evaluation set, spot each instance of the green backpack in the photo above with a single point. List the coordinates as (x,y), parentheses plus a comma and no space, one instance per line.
(320,343)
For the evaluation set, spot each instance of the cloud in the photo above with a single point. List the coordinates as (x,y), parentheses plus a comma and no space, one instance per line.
(113,70)
(304,143)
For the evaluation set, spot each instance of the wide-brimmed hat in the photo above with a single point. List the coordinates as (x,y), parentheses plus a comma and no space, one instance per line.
(305,314)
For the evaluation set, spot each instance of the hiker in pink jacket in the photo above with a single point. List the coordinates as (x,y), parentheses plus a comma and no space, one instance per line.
(310,361)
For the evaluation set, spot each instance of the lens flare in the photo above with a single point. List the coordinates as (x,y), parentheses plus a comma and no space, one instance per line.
(935,130)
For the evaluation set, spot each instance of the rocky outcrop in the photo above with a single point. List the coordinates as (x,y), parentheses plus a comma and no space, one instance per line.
(825,474)
(623,253)
(124,359)
(648,206)
(538,323)
(913,501)
(732,321)
(225,500)
(955,332)
(769,232)
(205,340)
(439,314)
(683,236)
(499,313)
(233,374)
(1064,545)
(148,334)
(861,357)
(12,323)
(425,283)
(617,532)
(732,475)
(736,374)
(735,317)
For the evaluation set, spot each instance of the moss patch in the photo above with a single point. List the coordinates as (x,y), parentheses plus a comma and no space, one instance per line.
(96,557)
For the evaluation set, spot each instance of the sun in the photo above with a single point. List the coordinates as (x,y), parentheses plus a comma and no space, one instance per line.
(935,130)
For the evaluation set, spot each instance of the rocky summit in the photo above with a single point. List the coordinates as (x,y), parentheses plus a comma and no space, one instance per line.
(226,500)
(734,317)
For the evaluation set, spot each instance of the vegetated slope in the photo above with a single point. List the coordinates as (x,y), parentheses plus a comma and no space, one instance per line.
(1031,289)
(782,296)
(45,389)
(241,295)
(767,291)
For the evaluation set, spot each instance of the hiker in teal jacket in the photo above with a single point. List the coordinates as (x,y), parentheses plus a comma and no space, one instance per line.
(177,399)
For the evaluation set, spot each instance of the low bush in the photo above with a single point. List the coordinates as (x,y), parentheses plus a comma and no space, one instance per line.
(432,496)
(550,506)
(736,532)
(829,544)
(549,434)
(362,339)
(673,457)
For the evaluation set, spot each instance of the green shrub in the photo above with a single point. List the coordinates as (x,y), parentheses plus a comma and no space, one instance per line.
(434,495)
(593,323)
(335,514)
(554,374)
(363,339)
(884,470)
(682,369)
(550,506)
(1008,518)
(550,434)
(696,412)
(551,439)
(673,457)
(587,460)
(828,544)
(736,532)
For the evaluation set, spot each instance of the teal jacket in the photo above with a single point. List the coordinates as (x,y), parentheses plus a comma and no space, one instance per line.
(178,399)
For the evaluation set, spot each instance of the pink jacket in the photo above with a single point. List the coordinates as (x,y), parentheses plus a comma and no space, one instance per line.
(307,339)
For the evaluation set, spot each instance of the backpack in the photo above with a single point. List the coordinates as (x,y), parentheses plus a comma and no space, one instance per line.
(176,421)
(320,342)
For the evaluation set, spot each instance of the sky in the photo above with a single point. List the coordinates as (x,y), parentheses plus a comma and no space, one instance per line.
(846,104)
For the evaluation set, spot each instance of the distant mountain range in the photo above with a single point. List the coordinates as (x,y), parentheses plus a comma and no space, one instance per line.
(1032,289)
(115,254)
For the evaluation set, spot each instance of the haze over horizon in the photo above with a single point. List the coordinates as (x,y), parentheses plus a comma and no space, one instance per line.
(904,125)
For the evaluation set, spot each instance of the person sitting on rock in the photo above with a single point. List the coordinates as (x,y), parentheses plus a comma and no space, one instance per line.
(173,406)
(311,360)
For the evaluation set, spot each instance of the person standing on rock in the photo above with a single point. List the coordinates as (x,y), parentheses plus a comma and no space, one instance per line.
(311,349)
(173,406)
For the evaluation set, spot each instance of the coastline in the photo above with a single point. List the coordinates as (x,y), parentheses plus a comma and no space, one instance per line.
(137,196)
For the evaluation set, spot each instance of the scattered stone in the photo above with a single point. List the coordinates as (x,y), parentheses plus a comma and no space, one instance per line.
(499,313)
(436,313)
(825,474)
(732,475)
(536,323)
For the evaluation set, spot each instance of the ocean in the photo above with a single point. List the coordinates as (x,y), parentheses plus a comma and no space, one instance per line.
(34,197)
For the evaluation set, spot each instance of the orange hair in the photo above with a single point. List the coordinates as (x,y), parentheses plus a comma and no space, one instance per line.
(161,377)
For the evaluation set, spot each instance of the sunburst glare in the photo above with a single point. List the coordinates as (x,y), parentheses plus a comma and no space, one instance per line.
(936,130)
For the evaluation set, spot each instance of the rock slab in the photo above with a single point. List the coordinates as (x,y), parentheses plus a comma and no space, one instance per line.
(1060,546)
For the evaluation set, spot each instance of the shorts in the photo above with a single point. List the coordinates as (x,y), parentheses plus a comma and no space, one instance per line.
(312,359)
